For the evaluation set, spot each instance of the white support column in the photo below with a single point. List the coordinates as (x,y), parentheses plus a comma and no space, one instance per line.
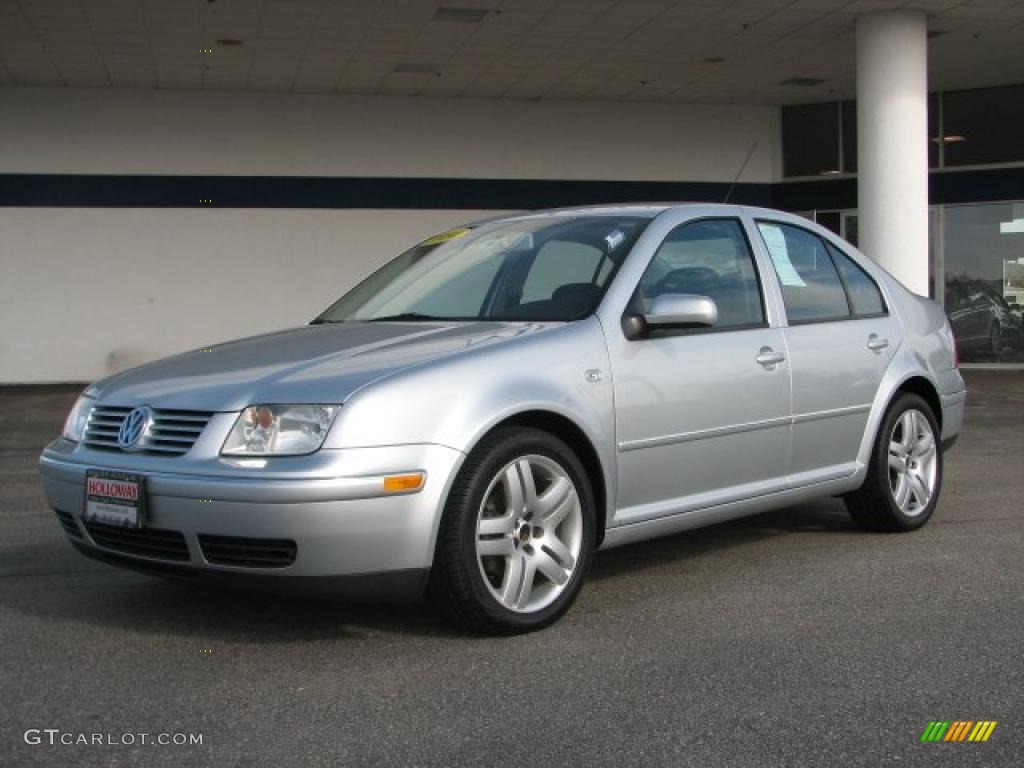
(892,143)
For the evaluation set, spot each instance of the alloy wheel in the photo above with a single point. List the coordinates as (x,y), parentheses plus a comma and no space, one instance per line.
(913,462)
(529,533)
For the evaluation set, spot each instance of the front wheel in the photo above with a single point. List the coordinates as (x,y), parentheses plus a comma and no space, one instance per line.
(904,478)
(517,534)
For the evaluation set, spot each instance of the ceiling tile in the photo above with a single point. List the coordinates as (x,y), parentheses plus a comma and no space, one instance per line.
(522,49)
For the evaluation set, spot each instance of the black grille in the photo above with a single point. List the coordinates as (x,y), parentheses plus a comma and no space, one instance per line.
(172,433)
(247,552)
(67,522)
(147,542)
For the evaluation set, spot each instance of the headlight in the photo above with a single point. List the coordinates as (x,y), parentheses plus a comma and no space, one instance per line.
(279,430)
(74,427)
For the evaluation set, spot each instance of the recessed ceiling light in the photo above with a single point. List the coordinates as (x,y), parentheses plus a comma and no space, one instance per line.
(953,138)
(463,15)
(229,41)
(803,82)
(713,60)
(416,68)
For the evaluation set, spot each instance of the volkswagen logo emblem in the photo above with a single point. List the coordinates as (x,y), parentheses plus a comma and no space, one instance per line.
(134,428)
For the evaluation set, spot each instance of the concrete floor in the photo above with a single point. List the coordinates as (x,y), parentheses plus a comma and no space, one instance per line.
(791,638)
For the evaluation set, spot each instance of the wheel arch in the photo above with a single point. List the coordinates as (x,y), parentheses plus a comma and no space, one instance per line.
(906,374)
(919,385)
(579,442)
(872,504)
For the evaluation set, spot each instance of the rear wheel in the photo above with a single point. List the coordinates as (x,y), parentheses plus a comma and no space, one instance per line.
(995,339)
(517,534)
(904,478)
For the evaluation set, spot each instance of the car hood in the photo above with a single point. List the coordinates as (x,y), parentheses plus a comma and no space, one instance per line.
(313,364)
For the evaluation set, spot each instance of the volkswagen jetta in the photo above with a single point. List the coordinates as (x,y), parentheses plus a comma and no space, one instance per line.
(497,403)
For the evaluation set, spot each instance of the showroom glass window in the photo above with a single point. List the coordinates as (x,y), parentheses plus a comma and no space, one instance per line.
(810,139)
(983,125)
(984,285)
(816,137)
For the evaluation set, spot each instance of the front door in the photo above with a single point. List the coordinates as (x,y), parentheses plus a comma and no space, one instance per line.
(702,415)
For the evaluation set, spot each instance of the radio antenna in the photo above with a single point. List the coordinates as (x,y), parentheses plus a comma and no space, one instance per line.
(743,167)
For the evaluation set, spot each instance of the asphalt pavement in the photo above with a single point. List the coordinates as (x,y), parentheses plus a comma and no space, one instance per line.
(787,639)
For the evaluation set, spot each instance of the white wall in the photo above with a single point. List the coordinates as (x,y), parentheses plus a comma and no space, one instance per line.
(89,291)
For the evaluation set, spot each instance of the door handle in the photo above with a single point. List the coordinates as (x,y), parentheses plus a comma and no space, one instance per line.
(769,358)
(876,344)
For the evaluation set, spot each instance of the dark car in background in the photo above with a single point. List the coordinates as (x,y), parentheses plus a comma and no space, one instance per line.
(983,322)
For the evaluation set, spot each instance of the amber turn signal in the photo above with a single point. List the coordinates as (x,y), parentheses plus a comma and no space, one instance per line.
(404,483)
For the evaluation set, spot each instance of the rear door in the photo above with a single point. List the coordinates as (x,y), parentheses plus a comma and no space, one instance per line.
(840,338)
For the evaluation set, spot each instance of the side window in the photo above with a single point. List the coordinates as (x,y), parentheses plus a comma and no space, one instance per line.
(865,298)
(811,288)
(560,263)
(709,258)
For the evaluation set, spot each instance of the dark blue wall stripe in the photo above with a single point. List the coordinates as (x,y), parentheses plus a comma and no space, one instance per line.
(944,188)
(822,195)
(321,192)
(976,186)
(107,191)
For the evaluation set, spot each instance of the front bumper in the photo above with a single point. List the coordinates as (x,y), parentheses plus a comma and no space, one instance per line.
(329,510)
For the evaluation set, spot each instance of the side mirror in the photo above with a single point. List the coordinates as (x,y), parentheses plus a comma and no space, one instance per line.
(672,310)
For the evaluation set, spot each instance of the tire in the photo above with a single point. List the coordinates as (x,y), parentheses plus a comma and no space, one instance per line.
(904,477)
(995,340)
(502,548)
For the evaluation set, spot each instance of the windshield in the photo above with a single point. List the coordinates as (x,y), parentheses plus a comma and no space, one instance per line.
(545,268)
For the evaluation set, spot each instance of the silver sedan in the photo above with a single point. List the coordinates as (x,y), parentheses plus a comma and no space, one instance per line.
(497,403)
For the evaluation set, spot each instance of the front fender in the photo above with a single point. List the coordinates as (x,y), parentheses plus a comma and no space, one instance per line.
(454,402)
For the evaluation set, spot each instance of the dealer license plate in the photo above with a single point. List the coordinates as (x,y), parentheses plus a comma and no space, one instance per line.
(114,498)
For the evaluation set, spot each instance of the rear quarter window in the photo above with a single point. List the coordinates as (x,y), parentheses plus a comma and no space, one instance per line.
(865,296)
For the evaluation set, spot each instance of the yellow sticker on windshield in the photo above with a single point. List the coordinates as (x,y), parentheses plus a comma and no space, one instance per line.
(444,237)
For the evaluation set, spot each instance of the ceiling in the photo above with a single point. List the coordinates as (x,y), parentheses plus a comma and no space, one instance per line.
(731,51)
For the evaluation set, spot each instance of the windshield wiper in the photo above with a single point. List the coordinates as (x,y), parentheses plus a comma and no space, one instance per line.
(404,316)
